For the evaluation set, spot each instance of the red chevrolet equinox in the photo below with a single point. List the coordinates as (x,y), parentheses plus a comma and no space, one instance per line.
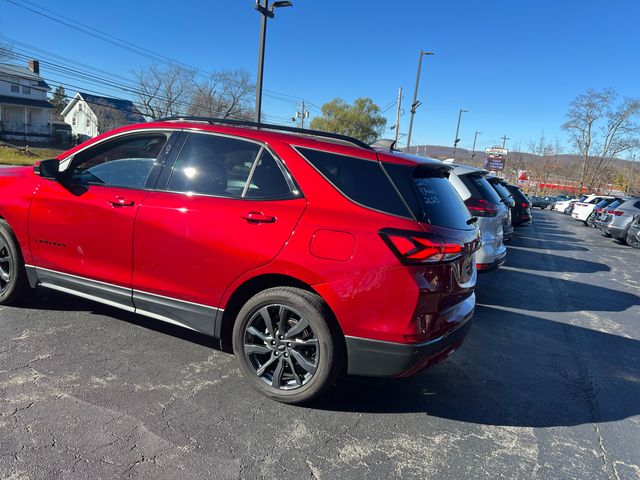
(308,254)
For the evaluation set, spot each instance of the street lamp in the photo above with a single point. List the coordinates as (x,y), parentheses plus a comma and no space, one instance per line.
(455,142)
(266,12)
(473,150)
(415,104)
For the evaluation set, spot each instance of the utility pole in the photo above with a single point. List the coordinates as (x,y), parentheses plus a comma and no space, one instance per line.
(302,114)
(473,150)
(457,139)
(632,175)
(415,104)
(397,127)
(504,140)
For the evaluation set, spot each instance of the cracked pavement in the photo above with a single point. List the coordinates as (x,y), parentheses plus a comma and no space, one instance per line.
(547,385)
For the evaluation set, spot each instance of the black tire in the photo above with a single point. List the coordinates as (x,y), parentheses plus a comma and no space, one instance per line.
(14,284)
(623,240)
(314,356)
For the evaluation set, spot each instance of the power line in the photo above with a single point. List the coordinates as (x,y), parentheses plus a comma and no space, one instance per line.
(119,42)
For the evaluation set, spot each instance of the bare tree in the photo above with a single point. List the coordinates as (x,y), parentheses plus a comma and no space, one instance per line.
(225,94)
(164,91)
(600,129)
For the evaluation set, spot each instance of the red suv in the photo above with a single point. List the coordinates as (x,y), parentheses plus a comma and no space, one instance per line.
(309,254)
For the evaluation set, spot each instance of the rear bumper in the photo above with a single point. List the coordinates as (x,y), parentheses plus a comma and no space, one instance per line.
(489,267)
(377,358)
(615,232)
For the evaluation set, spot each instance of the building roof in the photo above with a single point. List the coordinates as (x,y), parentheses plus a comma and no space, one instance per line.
(23,72)
(126,107)
(25,102)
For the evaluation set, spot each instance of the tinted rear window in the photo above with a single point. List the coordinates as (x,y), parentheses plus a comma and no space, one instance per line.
(430,196)
(503,192)
(480,188)
(604,203)
(615,204)
(363,181)
(517,193)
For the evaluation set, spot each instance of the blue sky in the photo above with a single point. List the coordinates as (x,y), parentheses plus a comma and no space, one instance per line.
(515,65)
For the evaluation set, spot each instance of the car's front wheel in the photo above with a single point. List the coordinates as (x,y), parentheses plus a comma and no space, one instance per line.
(287,345)
(14,285)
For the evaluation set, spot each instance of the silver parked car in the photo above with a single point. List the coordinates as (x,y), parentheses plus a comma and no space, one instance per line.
(618,220)
(484,203)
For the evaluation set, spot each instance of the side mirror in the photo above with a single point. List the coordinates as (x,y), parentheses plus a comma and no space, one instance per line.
(47,169)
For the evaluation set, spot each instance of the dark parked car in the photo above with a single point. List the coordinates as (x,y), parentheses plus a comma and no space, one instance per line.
(598,222)
(521,213)
(499,185)
(617,221)
(633,233)
(309,254)
(545,203)
(600,208)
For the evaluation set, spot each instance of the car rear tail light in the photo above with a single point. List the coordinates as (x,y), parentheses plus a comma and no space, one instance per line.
(481,207)
(414,248)
(524,205)
(617,213)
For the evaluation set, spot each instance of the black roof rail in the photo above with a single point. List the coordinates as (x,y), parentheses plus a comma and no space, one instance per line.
(267,126)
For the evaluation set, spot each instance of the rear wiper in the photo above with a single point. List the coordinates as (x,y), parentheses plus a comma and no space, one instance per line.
(472,220)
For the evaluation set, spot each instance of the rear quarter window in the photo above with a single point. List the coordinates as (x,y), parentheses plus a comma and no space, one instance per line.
(430,196)
(362,181)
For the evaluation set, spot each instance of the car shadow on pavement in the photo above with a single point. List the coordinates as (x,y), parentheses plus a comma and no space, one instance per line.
(554,238)
(550,230)
(513,370)
(539,293)
(553,263)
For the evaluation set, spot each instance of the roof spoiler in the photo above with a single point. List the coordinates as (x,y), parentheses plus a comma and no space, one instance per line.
(385,144)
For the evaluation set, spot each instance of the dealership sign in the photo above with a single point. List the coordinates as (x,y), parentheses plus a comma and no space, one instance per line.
(494,163)
(496,151)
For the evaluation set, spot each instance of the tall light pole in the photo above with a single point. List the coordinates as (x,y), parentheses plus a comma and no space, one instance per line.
(473,150)
(398,110)
(455,142)
(415,104)
(266,12)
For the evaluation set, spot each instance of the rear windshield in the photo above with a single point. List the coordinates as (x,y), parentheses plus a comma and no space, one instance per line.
(498,187)
(517,193)
(363,181)
(430,196)
(480,188)
(605,202)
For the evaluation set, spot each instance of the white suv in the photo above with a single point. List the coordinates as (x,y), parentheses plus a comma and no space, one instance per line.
(582,210)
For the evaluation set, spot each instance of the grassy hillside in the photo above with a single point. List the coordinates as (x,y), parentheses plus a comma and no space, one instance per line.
(10,155)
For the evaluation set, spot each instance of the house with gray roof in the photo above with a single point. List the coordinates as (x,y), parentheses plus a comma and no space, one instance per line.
(25,112)
(91,115)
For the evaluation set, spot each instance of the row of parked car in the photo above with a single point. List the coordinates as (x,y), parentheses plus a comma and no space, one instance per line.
(615,217)
(308,254)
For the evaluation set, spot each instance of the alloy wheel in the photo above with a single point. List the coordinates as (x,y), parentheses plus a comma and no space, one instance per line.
(282,347)
(6,265)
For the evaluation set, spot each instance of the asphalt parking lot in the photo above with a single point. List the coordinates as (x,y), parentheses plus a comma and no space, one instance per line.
(547,385)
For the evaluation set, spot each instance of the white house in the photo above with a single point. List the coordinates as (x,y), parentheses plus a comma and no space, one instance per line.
(90,115)
(25,112)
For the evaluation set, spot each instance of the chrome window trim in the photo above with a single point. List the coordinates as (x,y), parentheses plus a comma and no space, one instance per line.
(294,190)
(64,163)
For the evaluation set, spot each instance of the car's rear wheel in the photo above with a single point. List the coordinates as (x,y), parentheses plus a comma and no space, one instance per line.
(287,345)
(14,285)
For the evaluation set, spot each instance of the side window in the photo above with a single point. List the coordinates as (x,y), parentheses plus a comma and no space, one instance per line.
(213,165)
(267,180)
(363,181)
(125,162)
